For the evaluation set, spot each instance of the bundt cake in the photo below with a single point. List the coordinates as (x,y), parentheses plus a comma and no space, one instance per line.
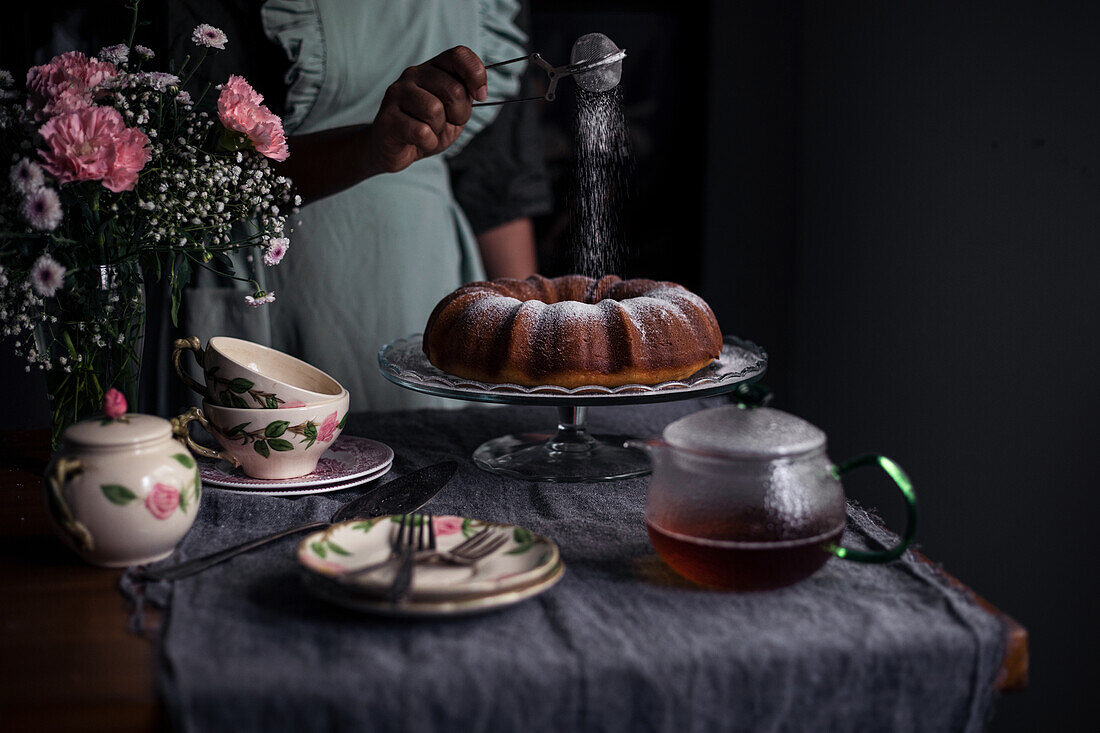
(572,331)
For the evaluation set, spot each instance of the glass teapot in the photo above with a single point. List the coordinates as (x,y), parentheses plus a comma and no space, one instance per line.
(747,499)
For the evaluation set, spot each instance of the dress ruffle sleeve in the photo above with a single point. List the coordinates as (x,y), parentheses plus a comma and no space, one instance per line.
(296,26)
(499,39)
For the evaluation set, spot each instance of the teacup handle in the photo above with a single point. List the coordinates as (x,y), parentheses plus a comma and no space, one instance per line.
(181,431)
(894,471)
(195,346)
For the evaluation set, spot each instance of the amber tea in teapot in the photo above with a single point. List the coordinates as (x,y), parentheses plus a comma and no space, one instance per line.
(702,554)
(747,499)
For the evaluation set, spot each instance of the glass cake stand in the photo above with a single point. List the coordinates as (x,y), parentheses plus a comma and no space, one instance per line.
(570,453)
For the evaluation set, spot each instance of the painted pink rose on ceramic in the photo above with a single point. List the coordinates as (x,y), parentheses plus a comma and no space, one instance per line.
(94,144)
(292,403)
(162,501)
(327,428)
(328,566)
(114,404)
(65,84)
(241,109)
(447,525)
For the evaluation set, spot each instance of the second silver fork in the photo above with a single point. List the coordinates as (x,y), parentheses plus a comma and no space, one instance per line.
(405,548)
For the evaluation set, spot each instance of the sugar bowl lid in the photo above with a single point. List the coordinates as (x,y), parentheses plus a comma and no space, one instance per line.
(127,430)
(737,432)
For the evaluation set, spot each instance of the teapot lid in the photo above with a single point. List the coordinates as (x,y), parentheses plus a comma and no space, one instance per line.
(128,430)
(730,430)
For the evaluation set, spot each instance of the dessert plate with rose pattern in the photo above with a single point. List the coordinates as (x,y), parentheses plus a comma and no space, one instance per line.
(524,561)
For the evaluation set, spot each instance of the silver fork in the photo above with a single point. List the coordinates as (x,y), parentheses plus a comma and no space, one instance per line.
(473,549)
(468,552)
(405,547)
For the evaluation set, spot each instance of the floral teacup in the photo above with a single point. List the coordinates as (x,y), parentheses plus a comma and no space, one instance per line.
(270,444)
(244,374)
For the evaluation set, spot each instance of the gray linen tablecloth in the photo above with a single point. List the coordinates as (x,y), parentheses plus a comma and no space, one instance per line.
(620,644)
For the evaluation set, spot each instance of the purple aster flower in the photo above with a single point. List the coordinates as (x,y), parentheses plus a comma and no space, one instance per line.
(47,276)
(42,209)
(276,250)
(209,36)
(115,54)
(159,80)
(261,298)
(26,176)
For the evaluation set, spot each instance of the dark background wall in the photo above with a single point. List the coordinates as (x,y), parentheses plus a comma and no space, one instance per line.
(900,202)
(904,207)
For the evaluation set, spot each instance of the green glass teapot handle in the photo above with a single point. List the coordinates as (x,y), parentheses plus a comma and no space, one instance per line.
(894,471)
(751,394)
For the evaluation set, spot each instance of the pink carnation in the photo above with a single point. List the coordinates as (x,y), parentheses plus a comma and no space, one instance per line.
(131,155)
(65,84)
(241,109)
(94,144)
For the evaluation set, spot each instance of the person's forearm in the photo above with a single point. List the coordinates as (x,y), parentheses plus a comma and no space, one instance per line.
(328,162)
(509,250)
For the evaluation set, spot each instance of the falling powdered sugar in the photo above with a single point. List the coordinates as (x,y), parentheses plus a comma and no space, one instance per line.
(599,182)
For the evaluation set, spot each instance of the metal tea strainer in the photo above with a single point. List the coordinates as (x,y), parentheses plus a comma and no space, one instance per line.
(595,62)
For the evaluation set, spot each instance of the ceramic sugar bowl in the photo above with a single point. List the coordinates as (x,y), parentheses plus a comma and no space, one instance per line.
(122,491)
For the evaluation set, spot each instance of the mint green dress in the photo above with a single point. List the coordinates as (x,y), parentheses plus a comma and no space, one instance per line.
(367,265)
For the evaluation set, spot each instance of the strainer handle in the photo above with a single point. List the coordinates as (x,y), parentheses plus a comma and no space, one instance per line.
(552,74)
(894,471)
(508,101)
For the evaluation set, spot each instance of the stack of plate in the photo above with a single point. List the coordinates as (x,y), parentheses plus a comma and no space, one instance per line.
(350,461)
(524,566)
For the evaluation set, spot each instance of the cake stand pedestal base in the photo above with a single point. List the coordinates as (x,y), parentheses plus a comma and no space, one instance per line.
(570,454)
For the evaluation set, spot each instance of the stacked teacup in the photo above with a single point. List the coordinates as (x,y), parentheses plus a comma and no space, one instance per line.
(273,415)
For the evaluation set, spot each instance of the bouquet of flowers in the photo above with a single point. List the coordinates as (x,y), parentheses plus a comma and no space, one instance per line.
(116,176)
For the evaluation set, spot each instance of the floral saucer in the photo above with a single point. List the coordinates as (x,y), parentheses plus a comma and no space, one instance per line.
(348,458)
(302,491)
(525,559)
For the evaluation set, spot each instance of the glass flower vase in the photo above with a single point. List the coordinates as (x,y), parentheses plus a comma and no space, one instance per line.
(92,336)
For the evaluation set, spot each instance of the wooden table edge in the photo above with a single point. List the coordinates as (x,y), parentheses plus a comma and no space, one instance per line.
(1013,672)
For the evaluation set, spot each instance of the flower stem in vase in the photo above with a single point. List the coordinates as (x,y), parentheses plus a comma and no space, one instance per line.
(93,342)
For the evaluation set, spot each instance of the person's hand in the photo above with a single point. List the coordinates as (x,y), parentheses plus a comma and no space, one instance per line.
(424,111)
